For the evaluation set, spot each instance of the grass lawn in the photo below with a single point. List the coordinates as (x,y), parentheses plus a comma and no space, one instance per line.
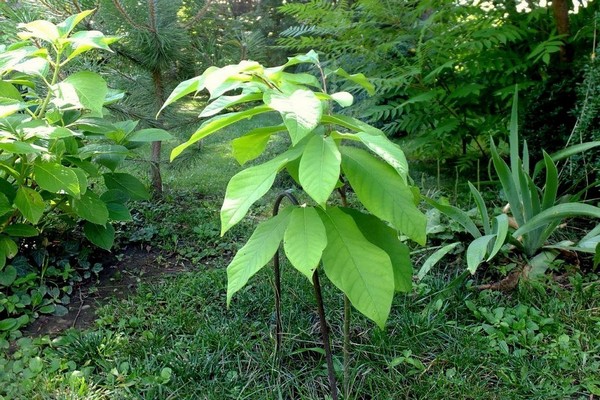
(176,338)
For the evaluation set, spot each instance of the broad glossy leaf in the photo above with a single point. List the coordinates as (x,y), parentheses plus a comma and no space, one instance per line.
(101,236)
(257,252)
(149,135)
(224,102)
(8,91)
(253,143)
(301,111)
(387,150)
(65,27)
(5,204)
(56,178)
(231,77)
(128,184)
(81,178)
(319,168)
(91,208)
(8,275)
(40,29)
(357,267)
(309,58)
(30,203)
(115,196)
(217,124)
(21,230)
(250,185)
(476,251)
(193,85)
(8,246)
(383,192)
(109,155)
(386,238)
(8,324)
(304,240)
(11,58)
(84,89)
(344,99)
(84,41)
(118,212)
(17,147)
(359,79)
(34,66)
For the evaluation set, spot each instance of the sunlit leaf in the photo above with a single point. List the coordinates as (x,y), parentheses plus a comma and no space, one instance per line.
(319,168)
(304,240)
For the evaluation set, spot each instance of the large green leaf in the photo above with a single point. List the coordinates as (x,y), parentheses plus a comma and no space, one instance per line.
(195,85)
(383,192)
(386,238)
(319,168)
(85,90)
(56,178)
(253,143)
(91,208)
(5,204)
(30,203)
(84,41)
(102,236)
(109,155)
(359,79)
(118,212)
(216,124)
(301,111)
(18,147)
(21,230)
(128,184)
(224,102)
(65,27)
(149,135)
(8,275)
(40,29)
(387,150)
(304,240)
(250,185)
(257,251)
(8,246)
(357,267)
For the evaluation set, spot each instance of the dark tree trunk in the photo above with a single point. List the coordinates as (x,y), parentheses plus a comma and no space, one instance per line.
(560,9)
(156,177)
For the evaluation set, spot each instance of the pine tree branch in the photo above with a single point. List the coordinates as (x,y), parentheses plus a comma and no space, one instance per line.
(199,14)
(125,15)
(152,15)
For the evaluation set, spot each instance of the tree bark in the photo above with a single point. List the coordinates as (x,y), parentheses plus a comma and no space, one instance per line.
(156,176)
(560,9)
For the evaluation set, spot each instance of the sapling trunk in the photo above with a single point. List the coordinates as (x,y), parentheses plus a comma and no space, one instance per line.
(277,273)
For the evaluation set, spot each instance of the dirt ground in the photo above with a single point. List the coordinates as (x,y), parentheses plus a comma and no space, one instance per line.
(119,280)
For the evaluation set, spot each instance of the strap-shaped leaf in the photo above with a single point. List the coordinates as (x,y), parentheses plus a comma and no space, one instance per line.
(91,208)
(509,185)
(56,178)
(551,186)
(483,212)
(501,230)
(434,258)
(456,214)
(477,250)
(301,111)
(304,240)
(383,192)
(217,123)
(257,251)
(250,185)
(357,267)
(557,213)
(252,144)
(30,204)
(565,153)
(319,168)
(386,238)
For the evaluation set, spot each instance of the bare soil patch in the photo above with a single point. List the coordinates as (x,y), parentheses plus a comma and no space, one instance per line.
(134,266)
